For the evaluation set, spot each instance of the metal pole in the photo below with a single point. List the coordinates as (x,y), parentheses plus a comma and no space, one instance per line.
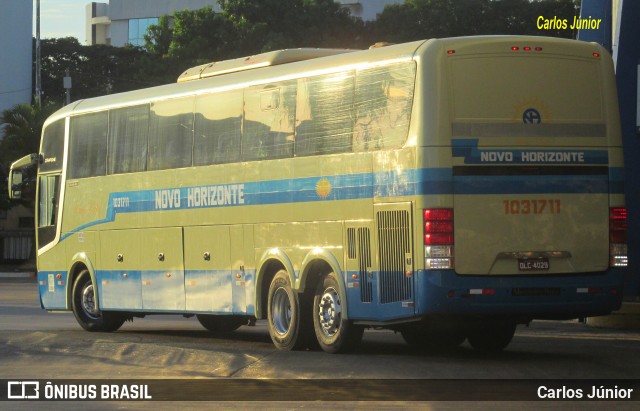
(66,82)
(38,78)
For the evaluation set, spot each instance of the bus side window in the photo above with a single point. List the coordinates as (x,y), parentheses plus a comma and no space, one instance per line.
(384,96)
(171,134)
(128,130)
(269,116)
(324,114)
(88,145)
(218,128)
(48,197)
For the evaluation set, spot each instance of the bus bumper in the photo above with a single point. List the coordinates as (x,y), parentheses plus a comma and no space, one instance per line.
(523,297)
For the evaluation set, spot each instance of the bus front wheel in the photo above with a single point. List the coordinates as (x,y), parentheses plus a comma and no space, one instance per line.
(334,332)
(86,310)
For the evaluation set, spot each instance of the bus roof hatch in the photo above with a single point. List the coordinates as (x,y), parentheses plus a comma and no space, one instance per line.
(271,58)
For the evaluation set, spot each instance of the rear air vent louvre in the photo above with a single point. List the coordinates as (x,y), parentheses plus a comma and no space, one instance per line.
(351,243)
(364,250)
(394,240)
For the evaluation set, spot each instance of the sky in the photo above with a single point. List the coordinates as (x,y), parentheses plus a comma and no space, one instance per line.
(62,18)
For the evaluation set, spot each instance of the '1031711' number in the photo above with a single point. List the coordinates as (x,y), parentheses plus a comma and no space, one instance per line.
(532,206)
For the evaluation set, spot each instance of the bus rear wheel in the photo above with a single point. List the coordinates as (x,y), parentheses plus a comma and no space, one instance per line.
(86,310)
(221,324)
(492,338)
(288,324)
(335,333)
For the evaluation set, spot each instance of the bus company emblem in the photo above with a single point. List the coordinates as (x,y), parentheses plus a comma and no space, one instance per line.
(531,116)
(323,188)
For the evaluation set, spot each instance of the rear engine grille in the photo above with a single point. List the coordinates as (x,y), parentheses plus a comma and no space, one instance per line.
(394,240)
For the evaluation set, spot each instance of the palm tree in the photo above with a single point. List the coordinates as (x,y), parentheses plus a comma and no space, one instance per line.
(20,129)
(20,134)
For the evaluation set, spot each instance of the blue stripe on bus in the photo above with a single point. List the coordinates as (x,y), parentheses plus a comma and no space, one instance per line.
(387,184)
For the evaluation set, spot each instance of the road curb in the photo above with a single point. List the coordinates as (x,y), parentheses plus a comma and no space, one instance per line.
(19,274)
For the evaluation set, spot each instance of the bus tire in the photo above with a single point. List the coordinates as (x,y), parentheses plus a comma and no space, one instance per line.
(285,313)
(221,324)
(334,333)
(492,338)
(85,309)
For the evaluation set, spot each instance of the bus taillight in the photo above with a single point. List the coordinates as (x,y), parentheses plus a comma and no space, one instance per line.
(438,238)
(618,237)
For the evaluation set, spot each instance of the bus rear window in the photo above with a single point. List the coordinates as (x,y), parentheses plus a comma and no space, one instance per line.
(520,90)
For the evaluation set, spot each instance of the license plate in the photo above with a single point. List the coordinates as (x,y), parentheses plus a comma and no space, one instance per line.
(533,264)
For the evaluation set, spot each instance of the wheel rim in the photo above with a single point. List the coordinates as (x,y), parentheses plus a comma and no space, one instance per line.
(89,302)
(330,312)
(281,311)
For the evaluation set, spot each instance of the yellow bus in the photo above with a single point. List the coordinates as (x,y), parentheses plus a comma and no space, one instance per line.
(448,189)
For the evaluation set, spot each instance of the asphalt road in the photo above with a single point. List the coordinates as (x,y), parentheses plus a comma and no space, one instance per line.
(35,344)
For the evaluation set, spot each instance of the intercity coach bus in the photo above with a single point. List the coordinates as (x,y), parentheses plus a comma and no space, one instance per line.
(448,189)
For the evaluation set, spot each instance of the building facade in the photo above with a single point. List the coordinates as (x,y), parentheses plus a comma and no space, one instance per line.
(16,27)
(16,54)
(122,22)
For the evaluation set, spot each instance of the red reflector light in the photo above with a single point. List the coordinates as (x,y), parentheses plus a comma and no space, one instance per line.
(482,291)
(618,225)
(515,48)
(619,213)
(438,226)
(527,48)
(438,239)
(441,214)
(596,54)
(538,48)
(451,51)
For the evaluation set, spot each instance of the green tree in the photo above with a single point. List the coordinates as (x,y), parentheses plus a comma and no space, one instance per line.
(422,19)
(159,36)
(100,69)
(22,129)
(248,27)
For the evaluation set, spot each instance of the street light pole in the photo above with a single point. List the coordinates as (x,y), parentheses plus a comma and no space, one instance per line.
(38,77)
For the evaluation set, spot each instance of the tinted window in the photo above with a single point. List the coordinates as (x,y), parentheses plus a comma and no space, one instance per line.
(218,128)
(128,129)
(324,118)
(384,96)
(88,145)
(268,121)
(171,134)
(49,195)
(138,28)
(53,147)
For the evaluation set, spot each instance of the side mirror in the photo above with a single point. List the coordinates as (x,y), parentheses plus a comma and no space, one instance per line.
(16,180)
(15,184)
